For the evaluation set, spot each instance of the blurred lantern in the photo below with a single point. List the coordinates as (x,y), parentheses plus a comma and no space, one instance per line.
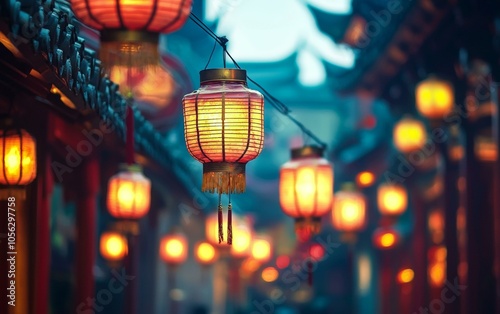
(130,29)
(392,199)
(282,261)
(269,274)
(409,135)
(129,193)
(306,188)
(113,246)
(173,249)
(365,179)
(434,98)
(349,210)
(405,275)
(223,127)
(485,148)
(261,250)
(18,162)
(385,238)
(436,226)
(355,31)
(317,251)
(437,266)
(205,253)
(241,228)
(242,243)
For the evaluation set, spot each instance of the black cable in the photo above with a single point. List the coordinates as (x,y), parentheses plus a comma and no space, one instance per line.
(275,102)
(211,54)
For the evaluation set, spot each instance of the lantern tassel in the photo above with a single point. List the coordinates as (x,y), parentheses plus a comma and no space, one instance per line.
(229,224)
(221,231)
(219,182)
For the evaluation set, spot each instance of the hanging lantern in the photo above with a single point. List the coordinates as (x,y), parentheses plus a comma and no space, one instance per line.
(306,187)
(385,238)
(409,135)
(18,162)
(129,193)
(392,199)
(365,179)
(349,210)
(434,98)
(173,249)
(113,246)
(205,253)
(261,250)
(130,29)
(223,128)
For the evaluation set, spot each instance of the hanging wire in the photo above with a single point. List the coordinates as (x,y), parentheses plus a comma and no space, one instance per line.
(211,54)
(275,102)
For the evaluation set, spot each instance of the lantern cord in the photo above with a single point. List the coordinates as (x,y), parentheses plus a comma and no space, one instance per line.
(211,55)
(275,102)
(229,217)
(219,216)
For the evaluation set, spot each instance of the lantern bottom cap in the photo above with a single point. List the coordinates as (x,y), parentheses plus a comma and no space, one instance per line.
(305,228)
(224,178)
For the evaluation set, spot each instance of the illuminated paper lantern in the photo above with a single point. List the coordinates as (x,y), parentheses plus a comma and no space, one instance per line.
(130,29)
(349,210)
(18,162)
(409,135)
(306,189)
(113,246)
(173,249)
(434,98)
(392,199)
(129,193)
(223,128)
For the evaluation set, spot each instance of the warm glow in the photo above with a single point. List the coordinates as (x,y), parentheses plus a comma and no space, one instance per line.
(306,187)
(282,261)
(365,179)
(261,250)
(129,195)
(406,275)
(173,249)
(18,165)
(434,98)
(349,211)
(250,265)
(317,251)
(241,226)
(409,135)
(436,226)
(485,148)
(205,253)
(392,199)
(355,31)
(242,240)
(113,246)
(270,274)
(385,238)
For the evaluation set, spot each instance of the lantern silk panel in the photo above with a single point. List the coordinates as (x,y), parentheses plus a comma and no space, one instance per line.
(129,195)
(146,15)
(306,187)
(18,162)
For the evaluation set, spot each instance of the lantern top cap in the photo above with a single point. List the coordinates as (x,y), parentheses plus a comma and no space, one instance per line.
(128,36)
(307,151)
(131,168)
(223,75)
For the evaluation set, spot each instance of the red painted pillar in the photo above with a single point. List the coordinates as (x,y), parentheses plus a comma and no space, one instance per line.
(86,230)
(42,251)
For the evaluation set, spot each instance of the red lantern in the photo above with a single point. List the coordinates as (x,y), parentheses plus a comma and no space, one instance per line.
(18,160)
(173,249)
(223,128)
(130,29)
(129,193)
(306,188)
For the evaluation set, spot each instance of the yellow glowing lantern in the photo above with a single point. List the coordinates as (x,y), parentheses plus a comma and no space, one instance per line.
(269,274)
(365,179)
(349,210)
(129,193)
(392,199)
(113,246)
(437,266)
(385,238)
(405,275)
(18,162)
(409,135)
(173,249)
(434,98)
(224,128)
(306,188)
(261,250)
(205,253)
